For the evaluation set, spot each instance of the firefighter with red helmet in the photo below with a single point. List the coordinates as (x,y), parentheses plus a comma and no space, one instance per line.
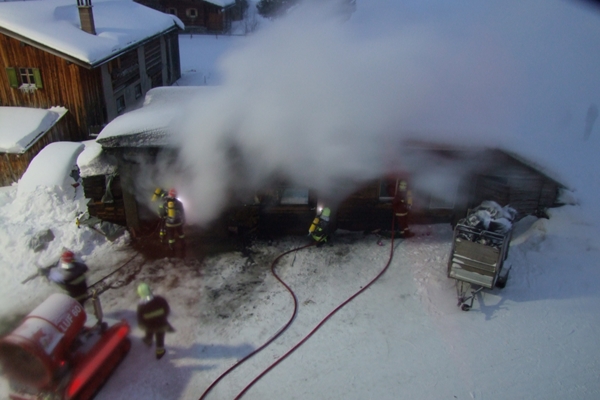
(402,203)
(171,210)
(70,276)
(152,313)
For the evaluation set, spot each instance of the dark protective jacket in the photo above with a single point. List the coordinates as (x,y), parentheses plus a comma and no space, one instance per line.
(319,229)
(402,202)
(152,314)
(73,280)
(175,217)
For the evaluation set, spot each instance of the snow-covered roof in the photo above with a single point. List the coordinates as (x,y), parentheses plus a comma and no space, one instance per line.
(54,25)
(21,127)
(221,3)
(93,161)
(61,156)
(150,125)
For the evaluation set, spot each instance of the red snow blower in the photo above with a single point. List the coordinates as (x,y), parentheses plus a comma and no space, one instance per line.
(53,355)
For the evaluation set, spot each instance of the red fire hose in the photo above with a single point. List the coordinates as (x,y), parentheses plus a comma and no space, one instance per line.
(282,329)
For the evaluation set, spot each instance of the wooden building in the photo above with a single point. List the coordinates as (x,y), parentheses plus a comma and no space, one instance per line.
(74,54)
(202,16)
(19,144)
(445,180)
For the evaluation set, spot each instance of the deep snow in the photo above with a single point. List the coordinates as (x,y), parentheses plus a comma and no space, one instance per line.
(404,337)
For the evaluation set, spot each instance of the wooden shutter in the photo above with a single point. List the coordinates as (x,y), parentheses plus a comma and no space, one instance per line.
(12,77)
(37,77)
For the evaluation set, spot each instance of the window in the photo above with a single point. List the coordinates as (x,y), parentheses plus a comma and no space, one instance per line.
(191,12)
(26,79)
(387,189)
(172,11)
(26,75)
(138,90)
(120,104)
(294,196)
(444,193)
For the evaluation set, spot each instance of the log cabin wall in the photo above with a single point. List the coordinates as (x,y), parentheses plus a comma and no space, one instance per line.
(509,181)
(62,84)
(13,166)
(94,188)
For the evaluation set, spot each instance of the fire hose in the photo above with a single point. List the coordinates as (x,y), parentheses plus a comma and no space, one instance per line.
(287,325)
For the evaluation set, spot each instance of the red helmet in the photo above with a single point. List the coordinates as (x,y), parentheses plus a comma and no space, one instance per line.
(172,193)
(67,257)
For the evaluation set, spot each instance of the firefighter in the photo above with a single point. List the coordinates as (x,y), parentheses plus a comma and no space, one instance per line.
(319,229)
(401,205)
(70,276)
(152,313)
(159,194)
(171,210)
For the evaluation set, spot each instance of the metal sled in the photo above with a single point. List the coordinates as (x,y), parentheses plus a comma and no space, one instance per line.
(476,262)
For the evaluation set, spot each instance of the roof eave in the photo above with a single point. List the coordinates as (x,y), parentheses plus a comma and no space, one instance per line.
(77,61)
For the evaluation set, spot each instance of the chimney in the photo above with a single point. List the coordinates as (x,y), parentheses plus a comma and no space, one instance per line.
(86,17)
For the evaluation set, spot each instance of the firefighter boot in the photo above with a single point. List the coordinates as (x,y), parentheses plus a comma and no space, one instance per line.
(160,352)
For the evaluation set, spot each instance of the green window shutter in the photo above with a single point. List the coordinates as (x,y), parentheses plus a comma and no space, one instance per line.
(37,77)
(12,77)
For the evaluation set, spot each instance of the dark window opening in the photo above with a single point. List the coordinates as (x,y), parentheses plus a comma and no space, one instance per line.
(120,104)
(138,90)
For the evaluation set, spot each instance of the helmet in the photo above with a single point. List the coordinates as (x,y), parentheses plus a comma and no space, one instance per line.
(143,290)
(172,193)
(158,191)
(326,212)
(67,257)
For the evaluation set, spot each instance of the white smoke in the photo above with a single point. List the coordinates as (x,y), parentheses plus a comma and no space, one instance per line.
(326,104)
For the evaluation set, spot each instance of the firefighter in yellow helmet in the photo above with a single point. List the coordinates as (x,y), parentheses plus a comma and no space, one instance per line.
(152,313)
(402,204)
(171,210)
(160,194)
(319,229)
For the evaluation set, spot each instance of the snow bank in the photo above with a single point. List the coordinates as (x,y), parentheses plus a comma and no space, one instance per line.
(52,167)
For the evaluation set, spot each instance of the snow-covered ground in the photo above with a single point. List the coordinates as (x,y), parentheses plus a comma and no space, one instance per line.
(403,337)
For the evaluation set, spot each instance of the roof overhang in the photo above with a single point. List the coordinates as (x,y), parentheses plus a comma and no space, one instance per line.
(77,61)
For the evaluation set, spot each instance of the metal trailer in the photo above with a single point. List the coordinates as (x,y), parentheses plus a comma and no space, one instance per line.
(477,262)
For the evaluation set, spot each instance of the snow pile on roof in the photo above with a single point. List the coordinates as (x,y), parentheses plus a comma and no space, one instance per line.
(21,127)
(151,124)
(221,3)
(61,156)
(93,161)
(55,23)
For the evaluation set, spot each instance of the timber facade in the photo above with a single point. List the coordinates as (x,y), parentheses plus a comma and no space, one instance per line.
(201,16)
(94,96)
(282,209)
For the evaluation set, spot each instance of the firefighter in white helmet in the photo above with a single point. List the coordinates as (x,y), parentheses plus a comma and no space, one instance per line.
(171,210)
(319,229)
(70,276)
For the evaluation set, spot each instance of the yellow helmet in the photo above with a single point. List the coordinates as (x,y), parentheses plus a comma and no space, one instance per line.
(143,290)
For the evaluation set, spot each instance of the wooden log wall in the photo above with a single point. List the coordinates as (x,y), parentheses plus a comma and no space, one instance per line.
(94,188)
(509,181)
(64,84)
